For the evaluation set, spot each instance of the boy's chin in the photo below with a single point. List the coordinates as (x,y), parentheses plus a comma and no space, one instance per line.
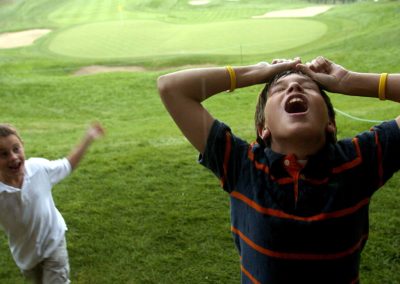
(303,134)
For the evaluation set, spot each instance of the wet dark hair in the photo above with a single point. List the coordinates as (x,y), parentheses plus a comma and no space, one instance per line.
(7,130)
(259,116)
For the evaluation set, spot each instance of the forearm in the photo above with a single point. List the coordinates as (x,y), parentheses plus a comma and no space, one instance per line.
(76,155)
(367,85)
(200,84)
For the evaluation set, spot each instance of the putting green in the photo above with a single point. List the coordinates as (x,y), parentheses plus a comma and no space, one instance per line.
(141,38)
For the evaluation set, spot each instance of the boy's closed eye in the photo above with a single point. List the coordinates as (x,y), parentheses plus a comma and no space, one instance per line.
(278,88)
(3,154)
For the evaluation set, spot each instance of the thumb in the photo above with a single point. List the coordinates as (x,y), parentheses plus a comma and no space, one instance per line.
(285,65)
(316,76)
(306,70)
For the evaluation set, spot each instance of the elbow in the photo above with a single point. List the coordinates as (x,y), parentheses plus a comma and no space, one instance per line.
(72,163)
(163,86)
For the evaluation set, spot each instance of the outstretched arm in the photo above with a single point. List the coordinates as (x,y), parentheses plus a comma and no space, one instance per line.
(183,92)
(337,79)
(94,132)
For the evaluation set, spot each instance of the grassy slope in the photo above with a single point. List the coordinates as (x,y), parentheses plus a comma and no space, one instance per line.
(131,219)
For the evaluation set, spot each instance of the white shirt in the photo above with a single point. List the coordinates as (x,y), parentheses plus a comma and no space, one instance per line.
(29,216)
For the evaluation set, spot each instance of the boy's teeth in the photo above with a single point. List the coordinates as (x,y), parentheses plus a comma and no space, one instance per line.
(294,100)
(15,166)
(296,105)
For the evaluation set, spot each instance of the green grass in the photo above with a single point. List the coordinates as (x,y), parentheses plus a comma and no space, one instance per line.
(139,208)
(144,38)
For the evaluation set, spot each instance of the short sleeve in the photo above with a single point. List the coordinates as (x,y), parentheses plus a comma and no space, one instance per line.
(55,169)
(380,150)
(223,155)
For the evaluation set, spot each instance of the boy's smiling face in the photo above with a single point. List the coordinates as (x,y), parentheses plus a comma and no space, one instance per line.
(295,109)
(12,159)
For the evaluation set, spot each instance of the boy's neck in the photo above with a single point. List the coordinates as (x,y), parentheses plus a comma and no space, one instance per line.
(14,182)
(301,149)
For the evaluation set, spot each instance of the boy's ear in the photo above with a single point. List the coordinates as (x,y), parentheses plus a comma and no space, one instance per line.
(331,127)
(264,133)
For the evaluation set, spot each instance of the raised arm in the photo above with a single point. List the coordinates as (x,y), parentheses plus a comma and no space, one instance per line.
(183,92)
(94,132)
(337,79)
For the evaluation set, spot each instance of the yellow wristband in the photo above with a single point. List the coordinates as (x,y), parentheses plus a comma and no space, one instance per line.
(232,76)
(382,86)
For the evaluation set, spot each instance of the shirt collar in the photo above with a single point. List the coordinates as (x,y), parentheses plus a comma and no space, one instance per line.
(317,164)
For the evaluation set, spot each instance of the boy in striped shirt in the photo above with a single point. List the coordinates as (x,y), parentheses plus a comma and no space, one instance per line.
(299,198)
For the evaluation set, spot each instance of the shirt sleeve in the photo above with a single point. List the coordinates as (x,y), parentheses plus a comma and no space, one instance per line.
(56,170)
(223,155)
(380,150)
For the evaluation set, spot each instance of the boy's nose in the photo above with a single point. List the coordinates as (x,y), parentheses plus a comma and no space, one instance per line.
(13,156)
(294,87)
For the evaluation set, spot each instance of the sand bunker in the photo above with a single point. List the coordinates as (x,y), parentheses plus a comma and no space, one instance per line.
(23,38)
(296,13)
(199,2)
(95,69)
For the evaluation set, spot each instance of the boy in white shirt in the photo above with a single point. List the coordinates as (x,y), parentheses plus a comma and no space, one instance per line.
(34,227)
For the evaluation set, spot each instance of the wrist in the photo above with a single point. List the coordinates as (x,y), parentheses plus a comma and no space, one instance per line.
(255,74)
(346,83)
(359,84)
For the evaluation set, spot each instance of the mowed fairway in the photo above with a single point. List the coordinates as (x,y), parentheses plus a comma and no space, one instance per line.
(139,208)
(142,38)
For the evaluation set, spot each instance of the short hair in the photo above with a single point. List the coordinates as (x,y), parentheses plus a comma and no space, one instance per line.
(259,117)
(7,130)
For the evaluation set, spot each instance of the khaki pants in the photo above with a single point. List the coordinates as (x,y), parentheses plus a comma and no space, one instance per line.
(52,270)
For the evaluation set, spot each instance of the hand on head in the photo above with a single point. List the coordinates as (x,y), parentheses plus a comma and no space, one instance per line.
(289,61)
(281,65)
(327,73)
(277,66)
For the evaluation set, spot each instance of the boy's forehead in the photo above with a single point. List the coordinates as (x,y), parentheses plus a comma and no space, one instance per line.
(9,140)
(294,77)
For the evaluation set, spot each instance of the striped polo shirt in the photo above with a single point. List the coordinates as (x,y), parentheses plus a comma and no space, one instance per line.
(302,224)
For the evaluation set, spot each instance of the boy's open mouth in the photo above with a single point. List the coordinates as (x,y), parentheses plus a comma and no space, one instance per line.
(296,104)
(15,166)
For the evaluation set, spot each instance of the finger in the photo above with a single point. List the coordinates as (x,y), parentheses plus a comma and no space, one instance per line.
(275,61)
(97,129)
(305,68)
(280,60)
(312,67)
(322,64)
(308,70)
(319,77)
(285,65)
(100,130)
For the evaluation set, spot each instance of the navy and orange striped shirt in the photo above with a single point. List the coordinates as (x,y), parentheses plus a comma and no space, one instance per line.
(302,224)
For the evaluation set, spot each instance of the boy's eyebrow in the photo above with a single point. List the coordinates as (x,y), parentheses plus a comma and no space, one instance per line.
(13,145)
(300,79)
